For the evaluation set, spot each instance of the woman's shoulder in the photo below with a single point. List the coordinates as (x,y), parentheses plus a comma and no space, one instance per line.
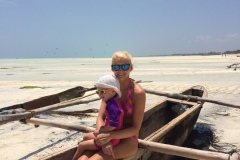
(139,95)
(138,90)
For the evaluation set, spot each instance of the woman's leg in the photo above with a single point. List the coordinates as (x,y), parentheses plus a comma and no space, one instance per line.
(83,146)
(86,155)
(126,148)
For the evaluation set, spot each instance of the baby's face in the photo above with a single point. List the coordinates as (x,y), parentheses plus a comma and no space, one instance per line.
(105,93)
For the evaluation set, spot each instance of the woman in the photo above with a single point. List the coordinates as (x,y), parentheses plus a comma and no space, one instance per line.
(133,101)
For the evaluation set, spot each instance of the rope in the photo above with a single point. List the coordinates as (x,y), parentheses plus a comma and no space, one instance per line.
(176,96)
(33,113)
(234,150)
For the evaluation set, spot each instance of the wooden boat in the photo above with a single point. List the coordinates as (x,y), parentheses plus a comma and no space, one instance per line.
(37,106)
(168,121)
(51,99)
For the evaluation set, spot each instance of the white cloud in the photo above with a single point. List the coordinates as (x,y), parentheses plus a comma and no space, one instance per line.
(229,37)
(232,36)
(223,38)
(202,38)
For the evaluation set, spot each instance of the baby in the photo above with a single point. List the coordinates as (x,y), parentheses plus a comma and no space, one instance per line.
(108,89)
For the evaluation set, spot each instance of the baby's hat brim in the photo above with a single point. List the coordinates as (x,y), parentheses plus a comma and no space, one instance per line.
(109,81)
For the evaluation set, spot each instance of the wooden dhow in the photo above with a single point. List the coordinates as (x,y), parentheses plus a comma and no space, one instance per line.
(166,124)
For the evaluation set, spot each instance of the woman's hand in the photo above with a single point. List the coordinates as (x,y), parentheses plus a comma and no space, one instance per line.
(103,138)
(108,149)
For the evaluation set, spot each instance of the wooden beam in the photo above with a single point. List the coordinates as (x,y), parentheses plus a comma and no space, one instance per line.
(185,152)
(178,95)
(32,113)
(67,126)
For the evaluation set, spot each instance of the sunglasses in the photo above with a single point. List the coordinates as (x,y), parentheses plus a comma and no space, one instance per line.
(101,91)
(124,67)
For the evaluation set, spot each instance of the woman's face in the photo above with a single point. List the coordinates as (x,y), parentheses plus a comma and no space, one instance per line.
(123,64)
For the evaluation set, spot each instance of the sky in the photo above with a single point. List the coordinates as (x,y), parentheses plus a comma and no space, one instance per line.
(98,28)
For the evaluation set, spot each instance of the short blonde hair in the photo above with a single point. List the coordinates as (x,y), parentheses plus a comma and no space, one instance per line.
(122,54)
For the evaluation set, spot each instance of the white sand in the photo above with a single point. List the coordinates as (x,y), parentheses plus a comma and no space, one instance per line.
(169,74)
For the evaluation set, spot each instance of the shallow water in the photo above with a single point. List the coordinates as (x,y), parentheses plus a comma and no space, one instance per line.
(167,69)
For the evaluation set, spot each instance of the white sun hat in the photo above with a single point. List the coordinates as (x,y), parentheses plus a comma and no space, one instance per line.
(109,81)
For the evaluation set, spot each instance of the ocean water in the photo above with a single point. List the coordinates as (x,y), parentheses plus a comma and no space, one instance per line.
(165,69)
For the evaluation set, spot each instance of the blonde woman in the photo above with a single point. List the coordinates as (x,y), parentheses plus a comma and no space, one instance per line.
(133,102)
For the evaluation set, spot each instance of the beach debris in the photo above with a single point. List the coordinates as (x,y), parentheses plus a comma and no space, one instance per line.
(179,108)
(4,68)
(234,66)
(13,111)
(31,87)
(233,150)
(222,113)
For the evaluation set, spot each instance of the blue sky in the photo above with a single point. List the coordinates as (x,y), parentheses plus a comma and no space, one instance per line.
(88,28)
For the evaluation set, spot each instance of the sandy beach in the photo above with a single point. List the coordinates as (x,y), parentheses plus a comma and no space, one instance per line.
(169,74)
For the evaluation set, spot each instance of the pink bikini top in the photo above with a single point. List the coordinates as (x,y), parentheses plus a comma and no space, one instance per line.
(128,104)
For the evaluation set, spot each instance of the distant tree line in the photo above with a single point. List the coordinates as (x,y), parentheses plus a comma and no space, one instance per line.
(232,52)
(207,53)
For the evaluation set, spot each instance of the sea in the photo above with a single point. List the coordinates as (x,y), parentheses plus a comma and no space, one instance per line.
(160,69)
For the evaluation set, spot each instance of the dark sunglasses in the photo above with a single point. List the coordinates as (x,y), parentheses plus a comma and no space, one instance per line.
(124,67)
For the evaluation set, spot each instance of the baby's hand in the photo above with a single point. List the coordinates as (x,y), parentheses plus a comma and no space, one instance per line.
(96,132)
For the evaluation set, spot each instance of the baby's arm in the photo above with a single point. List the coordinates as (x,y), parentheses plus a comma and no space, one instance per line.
(114,115)
(106,129)
(103,130)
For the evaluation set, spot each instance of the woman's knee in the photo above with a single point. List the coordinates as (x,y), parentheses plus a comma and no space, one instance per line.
(88,136)
(86,155)
(126,148)
(81,146)
(101,156)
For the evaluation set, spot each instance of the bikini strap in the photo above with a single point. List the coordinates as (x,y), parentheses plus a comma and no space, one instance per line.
(129,98)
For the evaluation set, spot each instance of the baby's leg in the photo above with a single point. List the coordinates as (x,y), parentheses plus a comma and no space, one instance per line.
(82,146)
(88,136)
